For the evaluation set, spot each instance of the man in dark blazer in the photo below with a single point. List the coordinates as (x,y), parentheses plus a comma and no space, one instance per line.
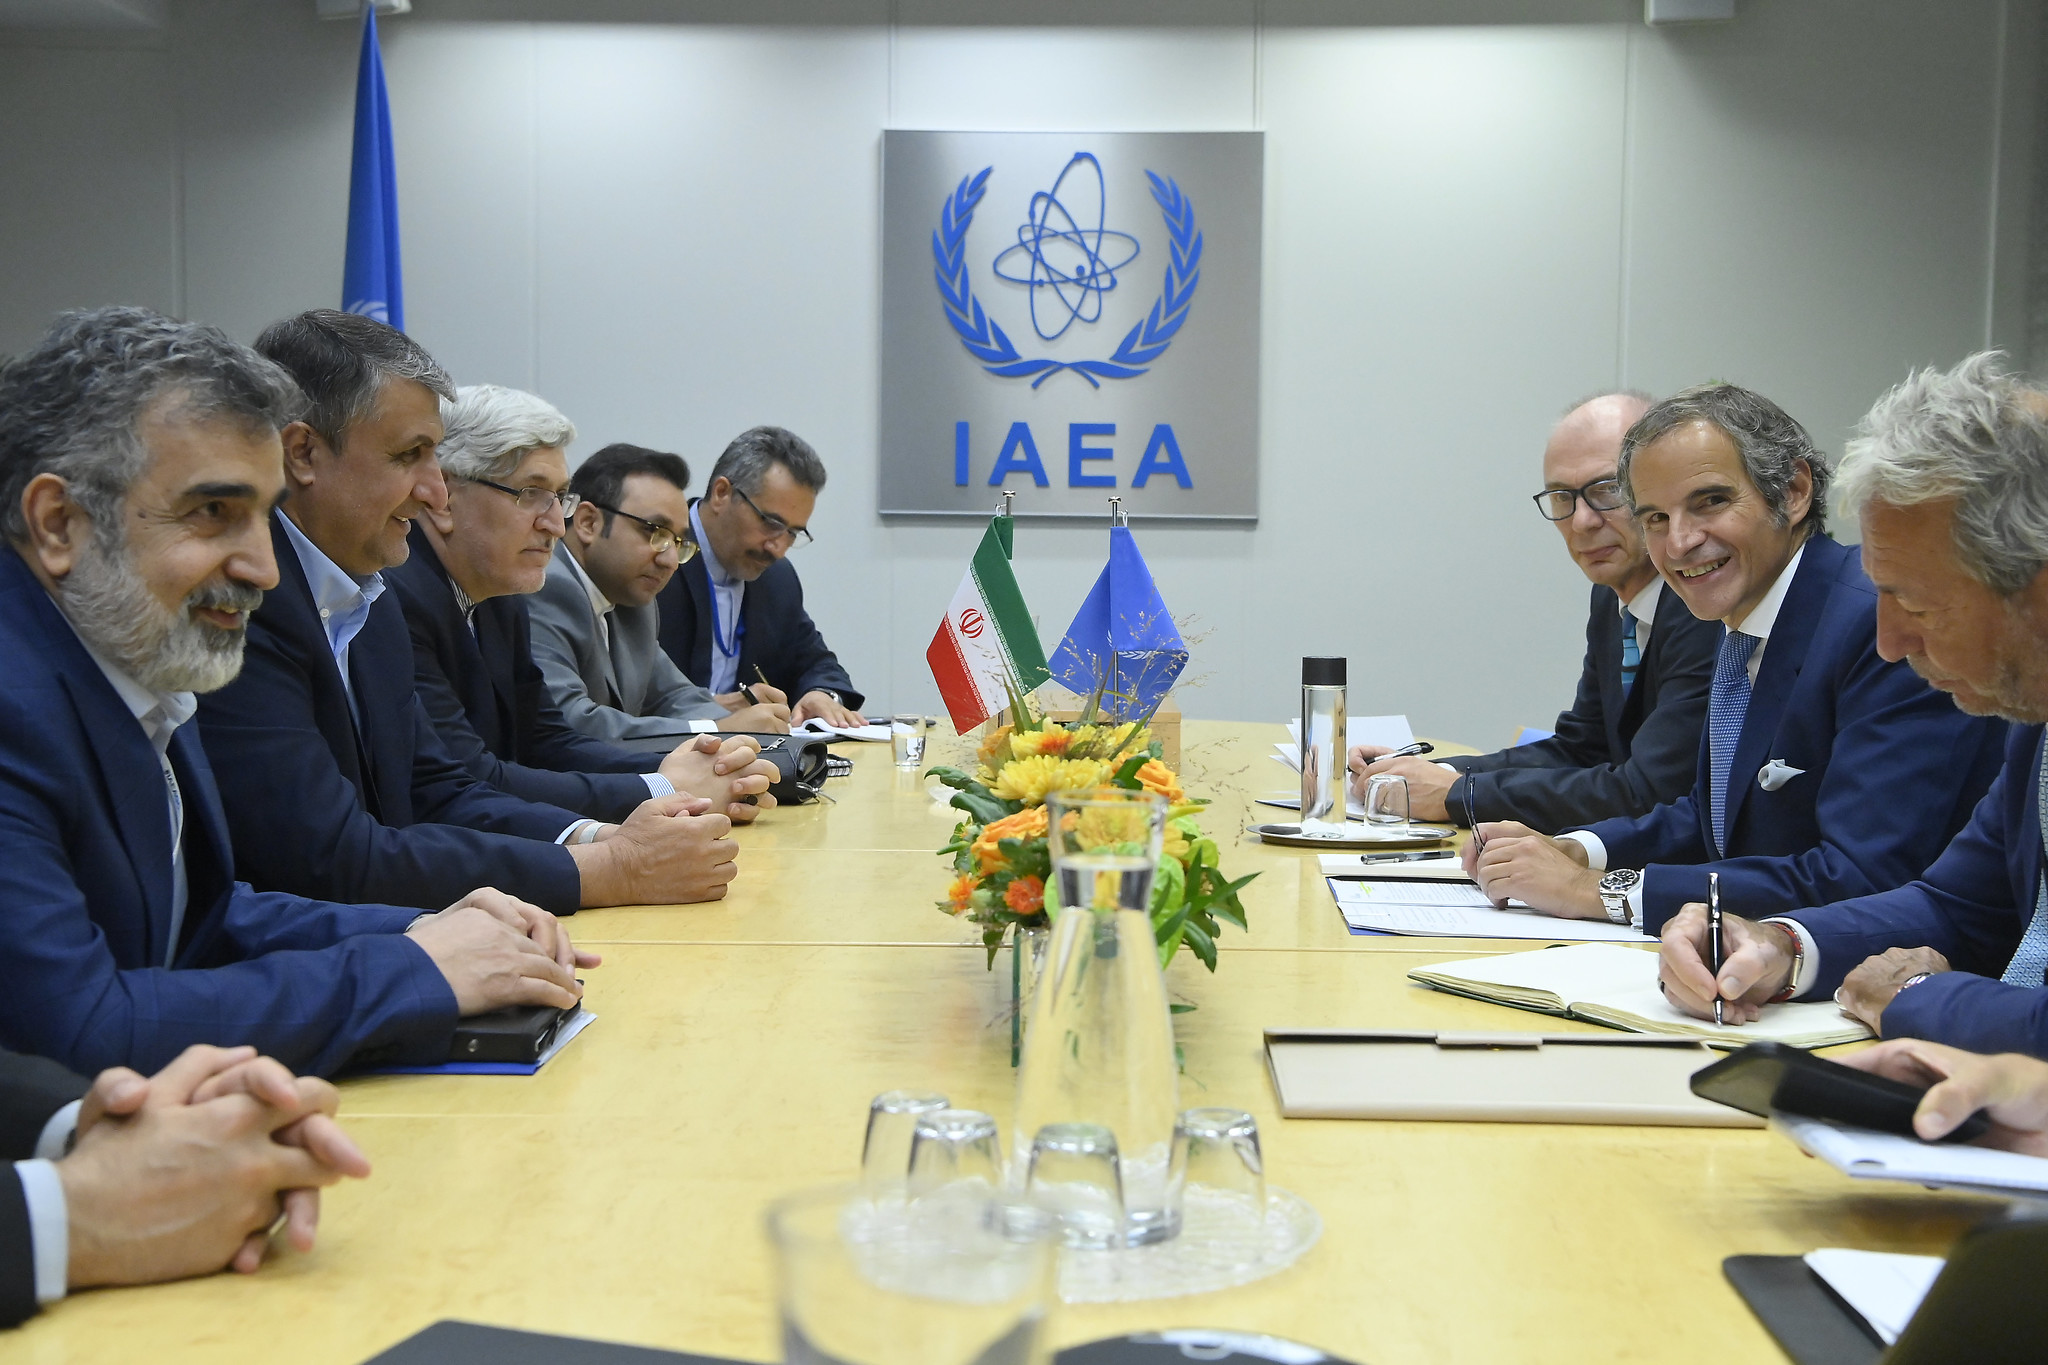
(1950,479)
(186,1180)
(464,588)
(733,616)
(123,590)
(1632,734)
(334,780)
(1824,771)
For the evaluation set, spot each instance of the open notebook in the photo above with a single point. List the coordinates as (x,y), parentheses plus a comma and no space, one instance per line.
(1605,983)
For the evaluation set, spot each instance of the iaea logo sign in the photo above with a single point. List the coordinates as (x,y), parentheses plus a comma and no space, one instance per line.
(1097,292)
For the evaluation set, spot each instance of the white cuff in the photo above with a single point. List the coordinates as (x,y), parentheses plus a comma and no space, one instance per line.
(657,785)
(704,727)
(1635,900)
(1447,767)
(581,832)
(1809,960)
(55,1142)
(49,1226)
(1596,854)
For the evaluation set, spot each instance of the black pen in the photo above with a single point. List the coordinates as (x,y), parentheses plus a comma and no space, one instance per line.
(1714,936)
(1415,750)
(1370,858)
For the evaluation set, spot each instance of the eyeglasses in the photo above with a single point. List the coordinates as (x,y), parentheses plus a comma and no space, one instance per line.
(660,538)
(777,527)
(1558,504)
(536,502)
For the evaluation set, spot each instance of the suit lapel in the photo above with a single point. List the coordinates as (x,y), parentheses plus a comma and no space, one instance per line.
(1607,643)
(490,651)
(697,583)
(131,775)
(1784,656)
(209,856)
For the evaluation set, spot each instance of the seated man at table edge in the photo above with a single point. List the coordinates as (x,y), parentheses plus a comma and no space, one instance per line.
(463,589)
(596,629)
(334,781)
(1825,771)
(1632,736)
(735,614)
(1950,481)
(138,460)
(133,1180)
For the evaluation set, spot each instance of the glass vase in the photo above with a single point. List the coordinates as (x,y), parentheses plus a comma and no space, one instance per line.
(1098,1044)
(1027,958)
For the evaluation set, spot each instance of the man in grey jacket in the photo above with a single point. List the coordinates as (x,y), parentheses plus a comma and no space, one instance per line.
(596,628)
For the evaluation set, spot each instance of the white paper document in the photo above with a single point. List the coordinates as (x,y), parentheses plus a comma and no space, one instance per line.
(1867,1155)
(1884,1287)
(1439,909)
(1389,732)
(1354,865)
(872,733)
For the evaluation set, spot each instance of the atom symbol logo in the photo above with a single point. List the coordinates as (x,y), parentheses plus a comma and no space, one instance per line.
(1057,253)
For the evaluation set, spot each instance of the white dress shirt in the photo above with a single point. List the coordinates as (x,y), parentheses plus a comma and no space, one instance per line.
(1758,623)
(727,593)
(1641,610)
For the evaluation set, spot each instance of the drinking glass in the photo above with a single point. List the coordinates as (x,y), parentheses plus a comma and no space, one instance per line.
(1074,1174)
(1099,1048)
(1217,1152)
(952,1145)
(892,1118)
(1386,800)
(962,1277)
(906,736)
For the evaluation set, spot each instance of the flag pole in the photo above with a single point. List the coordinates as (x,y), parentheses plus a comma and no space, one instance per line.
(1009,498)
(1116,514)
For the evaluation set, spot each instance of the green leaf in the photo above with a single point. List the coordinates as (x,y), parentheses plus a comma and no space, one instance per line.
(1200,943)
(1127,774)
(985,809)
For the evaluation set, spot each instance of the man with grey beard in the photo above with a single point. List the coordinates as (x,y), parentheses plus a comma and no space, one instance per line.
(139,463)
(1950,479)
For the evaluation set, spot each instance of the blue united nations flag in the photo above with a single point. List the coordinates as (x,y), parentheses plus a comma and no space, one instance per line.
(1122,640)
(369,275)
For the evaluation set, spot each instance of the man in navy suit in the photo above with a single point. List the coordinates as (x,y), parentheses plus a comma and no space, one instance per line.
(333,778)
(1825,771)
(1950,479)
(139,458)
(734,615)
(464,590)
(1632,735)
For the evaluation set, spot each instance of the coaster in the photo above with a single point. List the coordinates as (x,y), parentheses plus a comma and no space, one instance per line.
(1220,1246)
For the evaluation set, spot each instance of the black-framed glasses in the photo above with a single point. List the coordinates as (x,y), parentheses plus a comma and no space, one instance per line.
(1558,504)
(535,502)
(660,538)
(777,527)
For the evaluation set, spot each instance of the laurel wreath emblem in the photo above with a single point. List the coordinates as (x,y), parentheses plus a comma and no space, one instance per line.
(986,341)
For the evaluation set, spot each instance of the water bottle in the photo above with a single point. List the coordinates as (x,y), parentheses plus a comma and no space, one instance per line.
(1323,744)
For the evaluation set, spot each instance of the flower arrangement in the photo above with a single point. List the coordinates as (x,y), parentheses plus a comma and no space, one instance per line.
(1000,862)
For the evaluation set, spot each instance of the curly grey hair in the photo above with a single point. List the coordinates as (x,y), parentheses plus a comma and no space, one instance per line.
(490,429)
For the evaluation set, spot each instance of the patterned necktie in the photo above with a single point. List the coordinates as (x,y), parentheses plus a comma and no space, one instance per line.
(1727,704)
(1631,653)
(2030,960)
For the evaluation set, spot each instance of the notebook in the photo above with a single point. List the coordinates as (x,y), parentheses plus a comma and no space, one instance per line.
(1606,983)
(1440,909)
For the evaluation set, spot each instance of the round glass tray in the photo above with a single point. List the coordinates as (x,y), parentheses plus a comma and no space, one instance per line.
(1221,1245)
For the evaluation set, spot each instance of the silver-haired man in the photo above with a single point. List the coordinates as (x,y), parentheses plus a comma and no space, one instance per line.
(1950,480)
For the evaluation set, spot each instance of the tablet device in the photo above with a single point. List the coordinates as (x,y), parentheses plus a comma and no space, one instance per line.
(1774,1078)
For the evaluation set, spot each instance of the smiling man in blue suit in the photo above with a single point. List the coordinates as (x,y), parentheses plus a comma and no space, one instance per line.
(1950,479)
(139,460)
(1825,770)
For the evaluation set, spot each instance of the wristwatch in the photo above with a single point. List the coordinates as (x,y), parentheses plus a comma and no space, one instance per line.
(1614,889)
(1913,980)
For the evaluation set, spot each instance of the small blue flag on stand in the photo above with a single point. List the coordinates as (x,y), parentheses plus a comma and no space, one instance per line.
(369,274)
(1122,640)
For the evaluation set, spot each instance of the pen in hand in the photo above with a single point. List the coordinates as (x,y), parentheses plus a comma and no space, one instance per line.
(1714,936)
(1415,750)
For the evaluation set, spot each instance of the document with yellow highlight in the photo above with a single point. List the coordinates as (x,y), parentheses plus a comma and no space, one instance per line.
(1605,983)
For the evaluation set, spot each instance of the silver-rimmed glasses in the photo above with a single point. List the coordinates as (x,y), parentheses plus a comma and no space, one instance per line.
(536,501)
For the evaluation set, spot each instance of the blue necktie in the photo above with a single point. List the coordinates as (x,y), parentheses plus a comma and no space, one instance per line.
(1631,653)
(2030,960)
(1727,704)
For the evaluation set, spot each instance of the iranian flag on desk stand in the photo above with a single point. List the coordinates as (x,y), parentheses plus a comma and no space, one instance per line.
(987,643)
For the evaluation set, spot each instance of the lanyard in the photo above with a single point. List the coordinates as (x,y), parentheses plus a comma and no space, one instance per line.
(727,648)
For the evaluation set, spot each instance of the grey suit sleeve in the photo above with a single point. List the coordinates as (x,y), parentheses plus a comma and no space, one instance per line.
(565,646)
(671,693)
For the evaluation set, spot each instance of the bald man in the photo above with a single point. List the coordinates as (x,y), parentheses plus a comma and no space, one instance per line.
(1631,738)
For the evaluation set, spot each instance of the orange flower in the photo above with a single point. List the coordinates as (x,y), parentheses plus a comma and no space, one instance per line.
(959,895)
(1028,823)
(1157,777)
(1025,895)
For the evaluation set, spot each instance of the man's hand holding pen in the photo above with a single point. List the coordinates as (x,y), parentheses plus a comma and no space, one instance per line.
(1756,964)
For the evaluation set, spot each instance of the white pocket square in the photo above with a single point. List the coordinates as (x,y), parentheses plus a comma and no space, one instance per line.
(1776,774)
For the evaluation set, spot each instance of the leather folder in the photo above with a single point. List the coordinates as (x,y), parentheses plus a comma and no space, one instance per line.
(1494,1078)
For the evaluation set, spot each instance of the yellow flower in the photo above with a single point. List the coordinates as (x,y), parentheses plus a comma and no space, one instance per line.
(1158,778)
(1029,779)
(1176,846)
(995,749)
(1032,743)
(1028,823)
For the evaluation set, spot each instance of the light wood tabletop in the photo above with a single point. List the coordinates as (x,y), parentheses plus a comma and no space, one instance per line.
(618,1194)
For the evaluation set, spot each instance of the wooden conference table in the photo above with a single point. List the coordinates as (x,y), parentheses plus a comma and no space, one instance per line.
(618,1194)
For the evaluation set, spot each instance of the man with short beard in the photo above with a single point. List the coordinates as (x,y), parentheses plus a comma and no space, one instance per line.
(1950,479)
(139,459)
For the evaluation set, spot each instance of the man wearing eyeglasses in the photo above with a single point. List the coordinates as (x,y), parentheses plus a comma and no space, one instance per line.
(464,588)
(734,618)
(595,625)
(1632,735)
